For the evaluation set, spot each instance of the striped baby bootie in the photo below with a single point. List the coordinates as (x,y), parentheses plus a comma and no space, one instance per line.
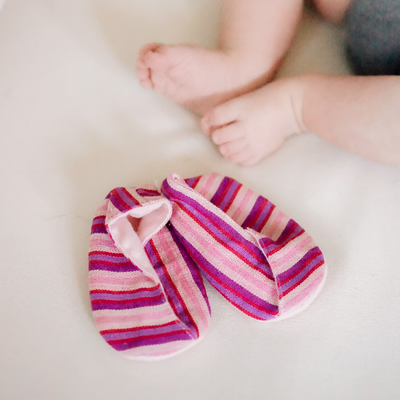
(147,295)
(261,261)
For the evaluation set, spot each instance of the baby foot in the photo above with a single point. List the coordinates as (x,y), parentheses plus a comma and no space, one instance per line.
(195,77)
(252,126)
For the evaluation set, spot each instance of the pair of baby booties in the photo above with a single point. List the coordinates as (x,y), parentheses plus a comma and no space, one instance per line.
(150,249)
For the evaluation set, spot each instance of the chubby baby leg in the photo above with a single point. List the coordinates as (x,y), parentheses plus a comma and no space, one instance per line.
(254,37)
(196,77)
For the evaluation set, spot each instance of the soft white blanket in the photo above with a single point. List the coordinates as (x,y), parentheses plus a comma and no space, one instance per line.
(74,123)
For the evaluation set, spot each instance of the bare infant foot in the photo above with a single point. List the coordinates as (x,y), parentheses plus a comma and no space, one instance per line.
(250,127)
(195,77)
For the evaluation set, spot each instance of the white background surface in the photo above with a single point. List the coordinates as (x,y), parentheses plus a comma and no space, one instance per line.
(74,123)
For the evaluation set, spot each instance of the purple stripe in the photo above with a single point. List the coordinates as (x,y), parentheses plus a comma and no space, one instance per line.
(242,305)
(127,199)
(294,269)
(169,288)
(300,269)
(107,305)
(247,250)
(248,223)
(147,331)
(227,287)
(143,341)
(126,296)
(257,225)
(194,271)
(191,181)
(99,220)
(98,229)
(117,202)
(224,185)
(101,266)
(215,224)
(291,231)
(117,259)
(228,195)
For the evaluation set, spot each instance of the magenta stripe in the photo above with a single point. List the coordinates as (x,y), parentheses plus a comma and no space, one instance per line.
(296,268)
(127,198)
(170,289)
(128,304)
(306,265)
(194,271)
(99,220)
(231,290)
(257,224)
(116,258)
(165,281)
(151,340)
(98,228)
(291,231)
(245,307)
(226,205)
(108,262)
(126,296)
(147,192)
(247,250)
(222,191)
(146,331)
(117,201)
(225,202)
(101,266)
(219,229)
(303,279)
(149,289)
(248,222)
(192,182)
(139,328)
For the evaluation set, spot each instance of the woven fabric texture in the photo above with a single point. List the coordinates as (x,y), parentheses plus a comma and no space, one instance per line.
(149,250)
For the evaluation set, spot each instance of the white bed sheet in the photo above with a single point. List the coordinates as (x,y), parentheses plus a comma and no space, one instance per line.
(74,123)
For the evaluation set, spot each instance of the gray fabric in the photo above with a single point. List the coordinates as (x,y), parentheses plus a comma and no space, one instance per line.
(373,37)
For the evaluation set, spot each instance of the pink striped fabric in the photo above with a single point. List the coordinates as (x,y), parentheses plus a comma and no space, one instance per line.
(148,248)
(264,263)
(144,313)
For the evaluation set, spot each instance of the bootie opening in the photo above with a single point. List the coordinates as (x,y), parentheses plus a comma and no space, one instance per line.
(132,230)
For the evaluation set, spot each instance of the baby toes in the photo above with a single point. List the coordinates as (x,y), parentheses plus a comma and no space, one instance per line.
(222,116)
(143,74)
(227,134)
(148,47)
(234,147)
(143,69)
(245,158)
(156,60)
